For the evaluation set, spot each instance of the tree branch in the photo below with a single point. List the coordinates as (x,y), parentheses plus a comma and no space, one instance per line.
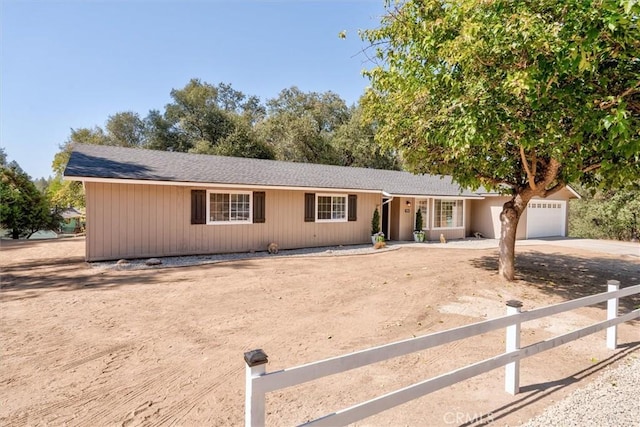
(608,104)
(591,168)
(530,175)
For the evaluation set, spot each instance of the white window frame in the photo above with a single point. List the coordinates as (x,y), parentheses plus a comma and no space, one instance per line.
(230,222)
(445,199)
(425,215)
(346,207)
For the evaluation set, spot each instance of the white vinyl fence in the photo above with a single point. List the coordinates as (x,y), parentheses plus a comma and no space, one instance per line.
(259,382)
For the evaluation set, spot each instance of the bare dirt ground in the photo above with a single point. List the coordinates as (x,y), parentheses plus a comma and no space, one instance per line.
(88,347)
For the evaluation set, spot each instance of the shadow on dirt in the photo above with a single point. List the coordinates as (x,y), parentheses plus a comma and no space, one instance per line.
(534,392)
(570,276)
(66,275)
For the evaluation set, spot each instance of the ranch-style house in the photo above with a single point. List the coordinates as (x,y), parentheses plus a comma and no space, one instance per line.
(145,203)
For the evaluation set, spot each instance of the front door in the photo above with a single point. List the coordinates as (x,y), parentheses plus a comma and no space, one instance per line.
(385,218)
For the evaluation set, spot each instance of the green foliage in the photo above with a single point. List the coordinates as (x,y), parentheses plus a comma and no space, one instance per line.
(375,222)
(241,142)
(518,97)
(611,214)
(23,209)
(125,129)
(65,194)
(354,144)
(300,126)
(418,220)
(515,94)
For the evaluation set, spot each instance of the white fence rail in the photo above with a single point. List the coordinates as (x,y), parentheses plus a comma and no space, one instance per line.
(259,382)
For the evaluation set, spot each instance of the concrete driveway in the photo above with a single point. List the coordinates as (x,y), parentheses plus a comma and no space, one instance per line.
(611,247)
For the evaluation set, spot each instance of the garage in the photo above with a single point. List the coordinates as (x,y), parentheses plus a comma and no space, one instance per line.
(546,218)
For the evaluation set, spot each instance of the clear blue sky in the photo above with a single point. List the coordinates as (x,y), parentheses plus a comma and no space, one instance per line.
(71,64)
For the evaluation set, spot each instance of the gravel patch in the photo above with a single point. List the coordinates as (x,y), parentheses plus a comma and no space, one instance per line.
(185,261)
(613,399)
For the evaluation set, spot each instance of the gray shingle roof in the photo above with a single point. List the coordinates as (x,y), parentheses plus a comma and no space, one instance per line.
(99,161)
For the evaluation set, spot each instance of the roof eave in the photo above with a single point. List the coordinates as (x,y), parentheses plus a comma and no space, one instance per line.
(85,179)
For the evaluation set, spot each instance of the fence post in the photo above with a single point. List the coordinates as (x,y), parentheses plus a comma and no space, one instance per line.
(256,361)
(512,370)
(612,313)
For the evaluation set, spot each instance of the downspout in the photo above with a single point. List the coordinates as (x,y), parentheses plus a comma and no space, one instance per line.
(390,197)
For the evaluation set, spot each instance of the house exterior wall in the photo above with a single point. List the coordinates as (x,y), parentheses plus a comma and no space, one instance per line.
(408,221)
(139,221)
(485,216)
(448,233)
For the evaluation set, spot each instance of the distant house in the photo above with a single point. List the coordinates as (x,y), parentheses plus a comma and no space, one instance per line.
(143,203)
(72,220)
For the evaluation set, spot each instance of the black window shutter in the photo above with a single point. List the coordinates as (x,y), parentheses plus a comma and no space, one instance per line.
(353,207)
(258,207)
(198,206)
(309,207)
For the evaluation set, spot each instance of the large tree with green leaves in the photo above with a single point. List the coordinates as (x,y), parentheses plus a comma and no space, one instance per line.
(300,125)
(354,144)
(23,209)
(519,97)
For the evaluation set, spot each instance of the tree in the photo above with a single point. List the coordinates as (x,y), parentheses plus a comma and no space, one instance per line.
(70,193)
(300,126)
(125,129)
(606,214)
(518,97)
(355,145)
(162,133)
(241,142)
(212,119)
(23,209)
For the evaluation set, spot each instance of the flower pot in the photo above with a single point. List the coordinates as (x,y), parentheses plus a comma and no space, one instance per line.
(418,237)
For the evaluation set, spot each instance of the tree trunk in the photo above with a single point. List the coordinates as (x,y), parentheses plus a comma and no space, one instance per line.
(15,233)
(509,218)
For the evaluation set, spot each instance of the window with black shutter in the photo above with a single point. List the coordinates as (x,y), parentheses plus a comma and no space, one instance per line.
(353,207)
(259,207)
(309,207)
(198,207)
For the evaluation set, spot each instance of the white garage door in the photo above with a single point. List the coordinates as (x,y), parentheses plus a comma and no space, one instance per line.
(546,218)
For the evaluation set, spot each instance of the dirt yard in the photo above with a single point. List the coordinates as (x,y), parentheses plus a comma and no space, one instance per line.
(89,347)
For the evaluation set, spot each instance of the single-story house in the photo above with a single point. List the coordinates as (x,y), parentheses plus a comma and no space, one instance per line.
(144,203)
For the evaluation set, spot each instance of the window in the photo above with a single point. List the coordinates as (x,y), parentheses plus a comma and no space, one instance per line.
(423,205)
(448,213)
(331,207)
(228,208)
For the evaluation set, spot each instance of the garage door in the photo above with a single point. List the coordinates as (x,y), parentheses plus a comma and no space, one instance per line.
(546,218)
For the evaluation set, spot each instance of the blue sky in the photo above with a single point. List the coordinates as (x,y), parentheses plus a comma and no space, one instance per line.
(71,64)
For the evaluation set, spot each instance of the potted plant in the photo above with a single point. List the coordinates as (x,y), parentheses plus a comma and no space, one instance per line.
(418,233)
(376,234)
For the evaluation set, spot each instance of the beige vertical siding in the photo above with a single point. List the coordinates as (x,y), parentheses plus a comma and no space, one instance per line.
(485,215)
(485,218)
(136,221)
(405,221)
(402,218)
